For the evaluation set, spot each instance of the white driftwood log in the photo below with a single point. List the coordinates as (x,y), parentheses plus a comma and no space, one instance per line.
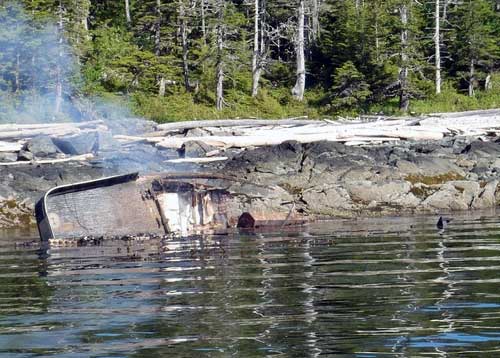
(196,160)
(79,158)
(20,131)
(11,146)
(251,141)
(232,123)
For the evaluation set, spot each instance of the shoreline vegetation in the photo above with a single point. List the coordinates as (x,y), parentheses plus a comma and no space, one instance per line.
(190,60)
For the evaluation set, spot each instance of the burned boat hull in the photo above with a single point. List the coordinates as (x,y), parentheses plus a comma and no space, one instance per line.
(108,206)
(160,204)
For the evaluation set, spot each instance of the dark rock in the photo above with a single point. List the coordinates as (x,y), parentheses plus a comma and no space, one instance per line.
(333,148)
(41,146)
(282,159)
(196,132)
(195,149)
(246,221)
(25,155)
(482,149)
(77,144)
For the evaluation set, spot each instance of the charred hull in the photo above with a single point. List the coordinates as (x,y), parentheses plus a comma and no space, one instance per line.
(162,204)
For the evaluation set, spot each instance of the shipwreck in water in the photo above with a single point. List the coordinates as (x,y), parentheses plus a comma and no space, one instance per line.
(160,204)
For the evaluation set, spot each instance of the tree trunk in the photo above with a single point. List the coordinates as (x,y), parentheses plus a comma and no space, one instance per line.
(357,4)
(184,40)
(299,88)
(487,82)
(59,79)
(437,46)
(315,19)
(472,78)
(162,86)
(127,12)
(377,39)
(404,96)
(157,28)
(203,24)
(17,84)
(256,68)
(220,56)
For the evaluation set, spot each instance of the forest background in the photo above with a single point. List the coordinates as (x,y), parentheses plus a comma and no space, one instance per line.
(203,59)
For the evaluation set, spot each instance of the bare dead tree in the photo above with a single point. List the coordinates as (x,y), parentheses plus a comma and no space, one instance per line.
(404,95)
(59,75)
(437,45)
(127,12)
(203,22)
(220,6)
(300,84)
(183,29)
(157,28)
(257,48)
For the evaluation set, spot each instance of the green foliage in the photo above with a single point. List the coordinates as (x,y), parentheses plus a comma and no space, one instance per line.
(183,106)
(353,66)
(349,87)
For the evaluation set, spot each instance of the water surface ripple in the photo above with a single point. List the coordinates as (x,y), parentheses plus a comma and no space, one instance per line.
(359,288)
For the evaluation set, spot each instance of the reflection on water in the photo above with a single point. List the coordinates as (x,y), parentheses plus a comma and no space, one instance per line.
(365,288)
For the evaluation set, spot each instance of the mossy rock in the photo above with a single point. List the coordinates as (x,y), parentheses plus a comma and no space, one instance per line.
(433,179)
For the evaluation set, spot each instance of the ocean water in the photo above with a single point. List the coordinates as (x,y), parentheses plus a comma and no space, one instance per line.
(386,287)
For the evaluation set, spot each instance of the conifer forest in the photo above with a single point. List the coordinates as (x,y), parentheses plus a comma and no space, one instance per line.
(172,60)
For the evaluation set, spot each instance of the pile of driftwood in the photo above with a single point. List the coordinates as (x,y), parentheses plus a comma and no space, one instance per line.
(366,130)
(13,138)
(223,134)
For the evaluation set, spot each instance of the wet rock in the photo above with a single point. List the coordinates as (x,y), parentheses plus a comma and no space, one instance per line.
(77,144)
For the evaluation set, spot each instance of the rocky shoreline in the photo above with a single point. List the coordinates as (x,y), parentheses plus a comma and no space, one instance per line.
(323,179)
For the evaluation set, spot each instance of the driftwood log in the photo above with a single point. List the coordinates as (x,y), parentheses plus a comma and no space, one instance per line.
(78,158)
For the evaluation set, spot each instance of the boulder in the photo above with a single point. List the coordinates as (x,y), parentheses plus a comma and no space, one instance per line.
(41,146)
(487,197)
(480,149)
(327,200)
(447,198)
(393,193)
(195,149)
(77,144)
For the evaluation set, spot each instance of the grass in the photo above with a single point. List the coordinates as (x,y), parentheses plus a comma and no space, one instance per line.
(184,106)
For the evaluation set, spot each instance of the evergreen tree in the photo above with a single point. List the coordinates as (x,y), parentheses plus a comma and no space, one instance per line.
(475,47)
